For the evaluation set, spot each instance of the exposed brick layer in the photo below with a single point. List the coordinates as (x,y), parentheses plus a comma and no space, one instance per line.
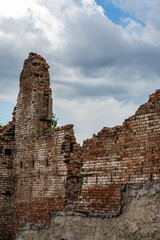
(7,154)
(121,155)
(43,171)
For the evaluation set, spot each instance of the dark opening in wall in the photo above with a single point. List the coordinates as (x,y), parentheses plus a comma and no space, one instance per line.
(111,178)
(21,164)
(44,120)
(96,178)
(1,150)
(71,147)
(7,152)
(35,64)
(72,180)
(7,193)
(33,163)
(66,161)
(47,164)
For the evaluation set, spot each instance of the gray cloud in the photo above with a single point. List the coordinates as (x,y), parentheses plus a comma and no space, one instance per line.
(79,90)
(90,57)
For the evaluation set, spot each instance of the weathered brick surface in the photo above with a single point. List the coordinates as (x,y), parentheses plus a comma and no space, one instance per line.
(43,171)
(42,164)
(121,155)
(7,154)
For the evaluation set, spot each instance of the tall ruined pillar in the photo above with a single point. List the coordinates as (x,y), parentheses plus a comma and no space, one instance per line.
(34,104)
(46,163)
(32,120)
(33,113)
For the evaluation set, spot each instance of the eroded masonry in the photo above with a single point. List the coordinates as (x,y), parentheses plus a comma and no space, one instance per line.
(42,172)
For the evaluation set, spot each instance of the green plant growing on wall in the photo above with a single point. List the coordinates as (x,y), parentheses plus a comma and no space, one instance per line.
(82,182)
(54,122)
(1,126)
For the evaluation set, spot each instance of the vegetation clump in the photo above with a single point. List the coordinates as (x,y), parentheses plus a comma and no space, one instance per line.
(1,126)
(54,122)
(82,182)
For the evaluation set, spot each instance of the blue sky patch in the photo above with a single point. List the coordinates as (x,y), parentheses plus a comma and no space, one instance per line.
(115,14)
(7,111)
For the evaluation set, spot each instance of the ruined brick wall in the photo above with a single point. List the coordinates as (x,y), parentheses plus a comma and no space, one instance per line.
(43,171)
(42,179)
(121,155)
(44,158)
(139,220)
(7,153)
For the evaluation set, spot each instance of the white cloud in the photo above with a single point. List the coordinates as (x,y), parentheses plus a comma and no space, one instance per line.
(146,11)
(90,116)
(95,65)
(15,9)
(133,30)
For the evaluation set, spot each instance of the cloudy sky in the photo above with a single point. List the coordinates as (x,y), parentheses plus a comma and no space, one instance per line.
(104,56)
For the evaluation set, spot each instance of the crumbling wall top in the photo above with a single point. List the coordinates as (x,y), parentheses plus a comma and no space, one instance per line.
(34,65)
(151,105)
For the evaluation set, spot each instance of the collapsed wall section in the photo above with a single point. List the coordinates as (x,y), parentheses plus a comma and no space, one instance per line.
(121,155)
(139,220)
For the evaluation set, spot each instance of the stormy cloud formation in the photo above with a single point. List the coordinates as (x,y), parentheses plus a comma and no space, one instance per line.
(101,69)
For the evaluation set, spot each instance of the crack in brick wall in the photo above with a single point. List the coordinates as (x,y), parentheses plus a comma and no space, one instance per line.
(41,171)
